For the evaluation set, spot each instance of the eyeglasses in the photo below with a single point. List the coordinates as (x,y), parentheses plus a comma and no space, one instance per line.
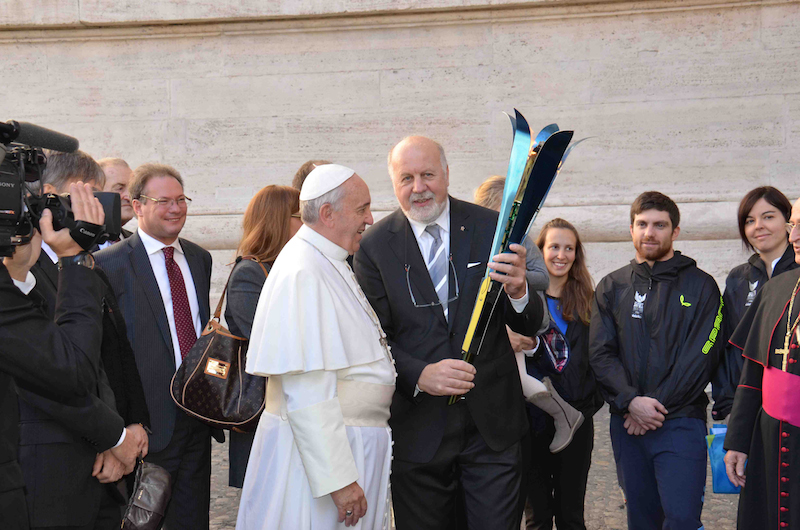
(432,304)
(296,215)
(163,202)
(790,227)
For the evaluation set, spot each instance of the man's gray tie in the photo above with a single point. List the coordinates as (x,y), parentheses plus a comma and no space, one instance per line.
(437,266)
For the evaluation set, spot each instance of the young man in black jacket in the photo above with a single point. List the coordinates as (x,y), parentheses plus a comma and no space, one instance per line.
(653,345)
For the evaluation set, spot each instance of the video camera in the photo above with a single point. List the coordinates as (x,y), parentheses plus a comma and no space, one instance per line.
(22,162)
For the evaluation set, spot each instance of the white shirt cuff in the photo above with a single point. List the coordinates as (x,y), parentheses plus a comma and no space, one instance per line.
(27,286)
(416,390)
(520,304)
(121,438)
(529,353)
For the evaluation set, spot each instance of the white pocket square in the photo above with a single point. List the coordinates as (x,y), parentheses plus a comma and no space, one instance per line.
(470,265)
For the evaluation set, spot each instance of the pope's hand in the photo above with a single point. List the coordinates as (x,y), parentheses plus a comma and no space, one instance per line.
(448,377)
(351,503)
(734,466)
(512,265)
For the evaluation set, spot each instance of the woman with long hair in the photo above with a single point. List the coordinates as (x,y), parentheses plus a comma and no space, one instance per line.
(557,482)
(763,214)
(271,219)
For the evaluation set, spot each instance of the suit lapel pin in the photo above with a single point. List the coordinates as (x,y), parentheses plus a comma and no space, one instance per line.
(462,228)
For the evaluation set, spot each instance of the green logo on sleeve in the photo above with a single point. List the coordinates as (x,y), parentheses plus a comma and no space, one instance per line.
(712,337)
(685,303)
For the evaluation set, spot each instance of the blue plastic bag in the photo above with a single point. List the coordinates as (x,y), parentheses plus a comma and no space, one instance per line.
(716,454)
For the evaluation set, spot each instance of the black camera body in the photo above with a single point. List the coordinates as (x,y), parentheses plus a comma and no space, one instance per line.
(20,209)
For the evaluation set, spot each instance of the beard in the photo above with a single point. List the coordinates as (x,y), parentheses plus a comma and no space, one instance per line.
(424,214)
(654,254)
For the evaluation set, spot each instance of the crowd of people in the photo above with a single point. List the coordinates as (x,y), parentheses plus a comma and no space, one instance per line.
(359,333)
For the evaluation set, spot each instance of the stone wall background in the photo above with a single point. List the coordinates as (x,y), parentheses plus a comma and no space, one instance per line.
(698,99)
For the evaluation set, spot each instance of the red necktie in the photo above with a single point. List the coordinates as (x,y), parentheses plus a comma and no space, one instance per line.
(180,304)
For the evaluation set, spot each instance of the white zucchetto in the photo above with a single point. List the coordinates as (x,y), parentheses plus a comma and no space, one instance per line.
(323,179)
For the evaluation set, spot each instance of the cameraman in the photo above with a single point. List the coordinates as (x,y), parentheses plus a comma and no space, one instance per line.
(81,433)
(57,360)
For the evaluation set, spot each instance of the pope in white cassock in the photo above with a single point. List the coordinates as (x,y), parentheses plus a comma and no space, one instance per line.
(322,452)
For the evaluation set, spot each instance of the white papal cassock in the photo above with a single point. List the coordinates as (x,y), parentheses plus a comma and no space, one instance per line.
(331,380)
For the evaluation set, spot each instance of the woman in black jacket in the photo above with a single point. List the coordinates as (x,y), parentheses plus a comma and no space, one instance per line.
(557,482)
(763,214)
(271,219)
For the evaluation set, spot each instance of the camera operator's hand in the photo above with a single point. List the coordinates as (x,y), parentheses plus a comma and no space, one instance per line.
(134,445)
(85,207)
(24,257)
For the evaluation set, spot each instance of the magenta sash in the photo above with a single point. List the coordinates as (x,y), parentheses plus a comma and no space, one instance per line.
(781,395)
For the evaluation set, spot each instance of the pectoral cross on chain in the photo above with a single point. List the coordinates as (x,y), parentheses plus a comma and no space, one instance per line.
(784,352)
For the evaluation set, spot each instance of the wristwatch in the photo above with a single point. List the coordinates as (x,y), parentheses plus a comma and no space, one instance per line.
(84,259)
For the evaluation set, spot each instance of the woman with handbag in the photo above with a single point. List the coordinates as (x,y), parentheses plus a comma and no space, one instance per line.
(557,482)
(271,219)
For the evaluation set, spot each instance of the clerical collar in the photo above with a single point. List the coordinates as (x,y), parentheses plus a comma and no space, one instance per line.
(325,245)
(153,245)
(443,221)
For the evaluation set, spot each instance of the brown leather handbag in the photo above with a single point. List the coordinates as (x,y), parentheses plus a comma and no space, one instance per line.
(211,384)
(152,490)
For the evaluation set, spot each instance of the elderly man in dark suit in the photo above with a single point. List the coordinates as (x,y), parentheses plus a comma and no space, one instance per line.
(421,268)
(162,284)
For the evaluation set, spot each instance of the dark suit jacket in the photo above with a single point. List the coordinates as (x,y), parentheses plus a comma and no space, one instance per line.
(61,440)
(128,268)
(57,360)
(420,336)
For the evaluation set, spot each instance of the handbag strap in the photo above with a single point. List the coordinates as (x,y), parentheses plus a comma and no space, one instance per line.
(218,312)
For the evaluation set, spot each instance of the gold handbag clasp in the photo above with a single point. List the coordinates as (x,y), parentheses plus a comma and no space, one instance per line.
(217,368)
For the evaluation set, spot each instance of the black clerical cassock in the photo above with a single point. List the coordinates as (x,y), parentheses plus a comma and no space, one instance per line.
(765,420)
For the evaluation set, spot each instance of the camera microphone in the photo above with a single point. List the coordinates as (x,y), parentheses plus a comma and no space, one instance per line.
(30,134)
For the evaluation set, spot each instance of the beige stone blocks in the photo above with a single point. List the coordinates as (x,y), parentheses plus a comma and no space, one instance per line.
(698,100)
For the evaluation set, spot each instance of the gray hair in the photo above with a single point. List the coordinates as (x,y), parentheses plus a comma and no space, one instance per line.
(64,168)
(442,157)
(309,210)
(109,162)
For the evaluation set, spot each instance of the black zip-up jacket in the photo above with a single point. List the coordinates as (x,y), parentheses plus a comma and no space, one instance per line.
(741,287)
(656,333)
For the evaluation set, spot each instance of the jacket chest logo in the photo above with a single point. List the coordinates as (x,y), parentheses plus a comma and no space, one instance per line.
(752,294)
(638,305)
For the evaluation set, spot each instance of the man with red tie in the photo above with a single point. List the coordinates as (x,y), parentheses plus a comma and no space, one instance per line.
(162,284)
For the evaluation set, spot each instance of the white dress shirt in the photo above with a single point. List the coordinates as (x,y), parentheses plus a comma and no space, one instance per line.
(425,241)
(154,247)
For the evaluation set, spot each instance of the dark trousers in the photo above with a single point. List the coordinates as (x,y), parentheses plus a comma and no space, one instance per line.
(240,444)
(13,508)
(109,516)
(425,496)
(188,459)
(557,482)
(664,472)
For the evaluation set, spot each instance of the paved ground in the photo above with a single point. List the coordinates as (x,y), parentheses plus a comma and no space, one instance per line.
(604,504)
